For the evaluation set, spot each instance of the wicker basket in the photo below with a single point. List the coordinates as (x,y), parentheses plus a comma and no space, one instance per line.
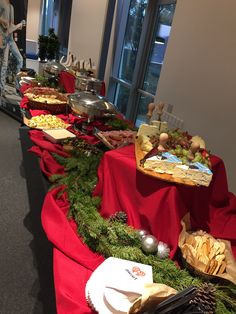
(52,108)
(206,277)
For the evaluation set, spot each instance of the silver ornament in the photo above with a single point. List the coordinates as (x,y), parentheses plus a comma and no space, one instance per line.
(142,233)
(149,244)
(163,250)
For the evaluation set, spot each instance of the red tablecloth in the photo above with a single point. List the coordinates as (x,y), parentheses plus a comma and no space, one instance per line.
(158,206)
(150,203)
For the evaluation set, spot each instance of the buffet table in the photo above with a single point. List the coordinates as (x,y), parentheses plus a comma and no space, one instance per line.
(151,204)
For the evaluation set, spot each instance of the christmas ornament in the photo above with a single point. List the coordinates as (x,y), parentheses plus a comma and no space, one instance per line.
(142,233)
(163,250)
(149,244)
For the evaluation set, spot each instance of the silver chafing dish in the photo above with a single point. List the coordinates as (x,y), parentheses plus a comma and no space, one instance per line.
(90,104)
(54,68)
(86,83)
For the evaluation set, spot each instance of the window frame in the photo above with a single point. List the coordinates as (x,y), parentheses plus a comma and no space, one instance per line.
(142,58)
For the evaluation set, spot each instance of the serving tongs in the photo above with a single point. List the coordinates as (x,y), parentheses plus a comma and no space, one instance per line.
(179,303)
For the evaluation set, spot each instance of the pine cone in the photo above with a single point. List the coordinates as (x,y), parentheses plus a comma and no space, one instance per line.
(119,216)
(205,298)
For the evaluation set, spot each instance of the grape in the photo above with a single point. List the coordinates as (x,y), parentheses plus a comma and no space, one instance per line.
(178,150)
(185,152)
(185,160)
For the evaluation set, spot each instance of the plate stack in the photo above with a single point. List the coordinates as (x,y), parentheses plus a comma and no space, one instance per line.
(116,284)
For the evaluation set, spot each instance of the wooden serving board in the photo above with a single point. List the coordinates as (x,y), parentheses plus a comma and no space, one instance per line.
(139,155)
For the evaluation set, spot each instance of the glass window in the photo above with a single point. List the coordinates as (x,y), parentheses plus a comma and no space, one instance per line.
(121,94)
(131,39)
(56,14)
(142,38)
(158,48)
(157,53)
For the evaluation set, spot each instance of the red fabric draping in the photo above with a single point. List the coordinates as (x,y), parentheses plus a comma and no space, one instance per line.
(151,204)
(43,148)
(24,87)
(67,81)
(37,138)
(24,102)
(158,206)
(73,261)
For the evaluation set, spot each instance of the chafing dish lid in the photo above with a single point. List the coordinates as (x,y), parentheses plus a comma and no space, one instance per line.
(90,100)
(54,67)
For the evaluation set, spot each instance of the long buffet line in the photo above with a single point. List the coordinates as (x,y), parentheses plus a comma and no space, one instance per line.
(83,127)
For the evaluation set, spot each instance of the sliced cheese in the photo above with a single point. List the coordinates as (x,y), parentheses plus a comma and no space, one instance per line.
(196,172)
(165,163)
(148,130)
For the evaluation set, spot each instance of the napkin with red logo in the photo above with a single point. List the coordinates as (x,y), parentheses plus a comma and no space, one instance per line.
(116,284)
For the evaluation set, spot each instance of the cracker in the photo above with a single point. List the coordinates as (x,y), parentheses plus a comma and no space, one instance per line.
(207,268)
(212,267)
(198,240)
(212,253)
(222,268)
(217,247)
(190,239)
(222,247)
(204,249)
(220,257)
(217,267)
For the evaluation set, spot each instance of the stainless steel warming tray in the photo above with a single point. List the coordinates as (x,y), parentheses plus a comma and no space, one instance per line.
(91,104)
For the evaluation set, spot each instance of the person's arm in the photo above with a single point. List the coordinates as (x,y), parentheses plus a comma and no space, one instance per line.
(13,27)
(4,23)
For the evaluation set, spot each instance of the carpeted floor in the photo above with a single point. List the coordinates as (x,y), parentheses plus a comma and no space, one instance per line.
(19,285)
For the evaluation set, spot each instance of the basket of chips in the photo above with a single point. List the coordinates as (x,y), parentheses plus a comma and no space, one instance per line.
(207,257)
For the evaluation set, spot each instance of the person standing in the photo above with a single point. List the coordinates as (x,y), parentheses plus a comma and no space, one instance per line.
(7,16)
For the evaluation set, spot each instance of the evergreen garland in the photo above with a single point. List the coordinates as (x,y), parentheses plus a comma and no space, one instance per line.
(114,238)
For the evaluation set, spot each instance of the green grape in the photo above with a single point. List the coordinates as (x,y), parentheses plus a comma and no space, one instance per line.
(197,159)
(179,151)
(197,154)
(185,152)
(172,151)
(185,160)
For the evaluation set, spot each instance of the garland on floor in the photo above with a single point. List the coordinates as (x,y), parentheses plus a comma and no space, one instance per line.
(111,237)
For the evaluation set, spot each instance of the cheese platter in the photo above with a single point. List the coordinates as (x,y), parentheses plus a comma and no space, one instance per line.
(140,154)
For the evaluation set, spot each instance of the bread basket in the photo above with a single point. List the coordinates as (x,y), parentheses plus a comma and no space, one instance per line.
(207,257)
(42,99)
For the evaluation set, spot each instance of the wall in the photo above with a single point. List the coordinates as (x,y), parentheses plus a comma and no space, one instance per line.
(199,74)
(33,19)
(86,29)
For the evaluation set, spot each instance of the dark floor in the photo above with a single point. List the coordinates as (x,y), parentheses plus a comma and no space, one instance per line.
(19,284)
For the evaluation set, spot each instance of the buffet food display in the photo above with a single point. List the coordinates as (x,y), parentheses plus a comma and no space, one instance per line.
(44,98)
(170,155)
(173,156)
(90,104)
(210,258)
(115,139)
(46,121)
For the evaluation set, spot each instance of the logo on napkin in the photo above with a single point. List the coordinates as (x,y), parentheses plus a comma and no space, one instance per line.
(137,271)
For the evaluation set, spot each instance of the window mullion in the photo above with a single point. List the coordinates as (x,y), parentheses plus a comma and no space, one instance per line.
(120,38)
(123,11)
(142,60)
